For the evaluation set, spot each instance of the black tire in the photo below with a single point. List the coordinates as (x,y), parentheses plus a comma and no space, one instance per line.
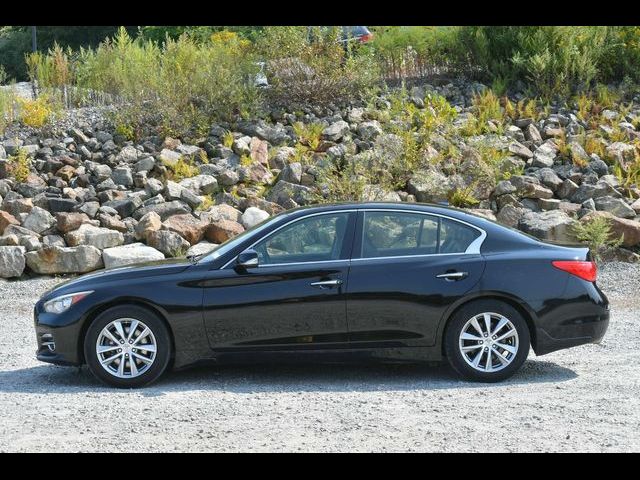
(157,327)
(454,330)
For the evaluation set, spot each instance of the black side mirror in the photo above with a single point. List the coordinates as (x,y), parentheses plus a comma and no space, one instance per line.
(247,259)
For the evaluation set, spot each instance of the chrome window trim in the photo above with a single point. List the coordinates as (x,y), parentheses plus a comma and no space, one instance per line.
(286,224)
(472,249)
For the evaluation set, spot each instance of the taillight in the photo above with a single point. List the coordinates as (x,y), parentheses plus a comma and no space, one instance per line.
(366,37)
(585,270)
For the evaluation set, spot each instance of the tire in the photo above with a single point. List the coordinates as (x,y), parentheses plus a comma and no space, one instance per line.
(502,357)
(142,366)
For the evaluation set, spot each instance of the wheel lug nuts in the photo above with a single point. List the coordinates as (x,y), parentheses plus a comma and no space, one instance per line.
(119,350)
(130,341)
(486,349)
(480,342)
(121,341)
(494,337)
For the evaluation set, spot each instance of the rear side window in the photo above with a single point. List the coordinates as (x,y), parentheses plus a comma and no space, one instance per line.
(394,234)
(455,237)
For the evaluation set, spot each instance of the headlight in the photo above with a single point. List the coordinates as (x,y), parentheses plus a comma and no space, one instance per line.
(62,303)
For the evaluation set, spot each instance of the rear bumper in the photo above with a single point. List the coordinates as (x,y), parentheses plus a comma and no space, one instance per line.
(571,334)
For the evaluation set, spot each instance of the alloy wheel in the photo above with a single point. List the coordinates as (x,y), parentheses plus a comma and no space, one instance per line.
(488,342)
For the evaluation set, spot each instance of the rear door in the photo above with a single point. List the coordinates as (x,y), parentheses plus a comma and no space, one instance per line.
(407,268)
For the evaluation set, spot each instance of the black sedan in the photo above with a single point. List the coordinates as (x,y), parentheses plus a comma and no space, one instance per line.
(375,281)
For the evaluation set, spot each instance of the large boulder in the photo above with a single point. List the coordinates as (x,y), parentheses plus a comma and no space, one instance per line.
(59,260)
(429,186)
(130,254)
(168,242)
(164,210)
(253,216)
(283,191)
(12,261)
(335,131)
(202,248)
(187,226)
(67,222)
(223,230)
(552,225)
(617,206)
(150,222)
(95,236)
(39,220)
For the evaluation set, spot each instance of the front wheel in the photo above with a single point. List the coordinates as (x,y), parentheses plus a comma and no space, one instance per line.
(487,341)
(127,347)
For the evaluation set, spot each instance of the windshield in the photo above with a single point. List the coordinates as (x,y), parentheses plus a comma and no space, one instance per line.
(232,243)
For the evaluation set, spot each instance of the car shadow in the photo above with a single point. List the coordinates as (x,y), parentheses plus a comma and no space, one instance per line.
(278,378)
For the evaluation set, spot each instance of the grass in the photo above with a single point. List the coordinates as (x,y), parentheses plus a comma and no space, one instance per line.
(20,165)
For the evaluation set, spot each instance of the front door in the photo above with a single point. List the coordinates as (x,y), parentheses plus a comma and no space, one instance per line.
(294,298)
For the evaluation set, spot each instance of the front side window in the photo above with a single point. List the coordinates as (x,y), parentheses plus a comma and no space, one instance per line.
(312,239)
(393,234)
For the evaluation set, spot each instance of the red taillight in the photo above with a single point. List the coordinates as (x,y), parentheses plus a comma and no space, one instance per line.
(366,37)
(585,270)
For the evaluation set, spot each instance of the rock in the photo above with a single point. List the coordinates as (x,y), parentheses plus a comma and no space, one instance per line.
(130,254)
(549,204)
(67,222)
(228,178)
(150,222)
(145,164)
(504,187)
(578,152)
(291,173)
(510,215)
(169,157)
(259,151)
(520,150)
(168,242)
(430,186)
(335,131)
(89,208)
(122,176)
(274,134)
(53,241)
(6,219)
(617,206)
(253,216)
(165,210)
(369,130)
(9,240)
(257,173)
(630,229)
(98,237)
(187,226)
(549,178)
(587,191)
(282,157)
(223,230)
(201,184)
(12,261)
(566,189)
(202,248)
(39,220)
(56,205)
(621,152)
(221,212)
(125,207)
(553,225)
(599,167)
(534,190)
(532,134)
(128,154)
(283,191)
(60,260)
(17,206)
(635,205)
(544,155)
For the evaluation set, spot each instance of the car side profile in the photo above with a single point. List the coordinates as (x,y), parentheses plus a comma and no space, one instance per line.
(395,282)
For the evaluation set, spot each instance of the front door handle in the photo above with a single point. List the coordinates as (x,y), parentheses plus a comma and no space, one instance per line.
(453,275)
(327,283)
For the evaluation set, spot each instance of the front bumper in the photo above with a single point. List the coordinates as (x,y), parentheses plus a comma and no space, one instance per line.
(54,329)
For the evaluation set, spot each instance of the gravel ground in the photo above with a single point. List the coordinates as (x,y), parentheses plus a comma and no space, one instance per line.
(583,399)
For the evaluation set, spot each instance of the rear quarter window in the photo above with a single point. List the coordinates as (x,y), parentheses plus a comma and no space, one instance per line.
(455,237)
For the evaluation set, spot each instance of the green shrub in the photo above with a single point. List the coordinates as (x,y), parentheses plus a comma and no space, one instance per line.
(319,72)
(341,182)
(597,235)
(20,165)
(463,197)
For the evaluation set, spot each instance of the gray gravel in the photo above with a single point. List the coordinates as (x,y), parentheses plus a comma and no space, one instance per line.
(582,399)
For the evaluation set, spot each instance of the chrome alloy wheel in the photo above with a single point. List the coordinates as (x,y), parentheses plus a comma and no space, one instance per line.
(488,342)
(126,348)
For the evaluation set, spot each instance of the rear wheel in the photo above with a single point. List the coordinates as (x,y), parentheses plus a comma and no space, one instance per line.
(127,347)
(487,341)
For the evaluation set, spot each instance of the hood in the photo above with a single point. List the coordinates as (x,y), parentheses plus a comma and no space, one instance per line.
(92,280)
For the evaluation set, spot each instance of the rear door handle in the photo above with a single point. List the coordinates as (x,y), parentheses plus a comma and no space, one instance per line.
(453,275)
(327,283)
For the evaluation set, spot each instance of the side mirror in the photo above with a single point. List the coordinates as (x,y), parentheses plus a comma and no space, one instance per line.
(247,259)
